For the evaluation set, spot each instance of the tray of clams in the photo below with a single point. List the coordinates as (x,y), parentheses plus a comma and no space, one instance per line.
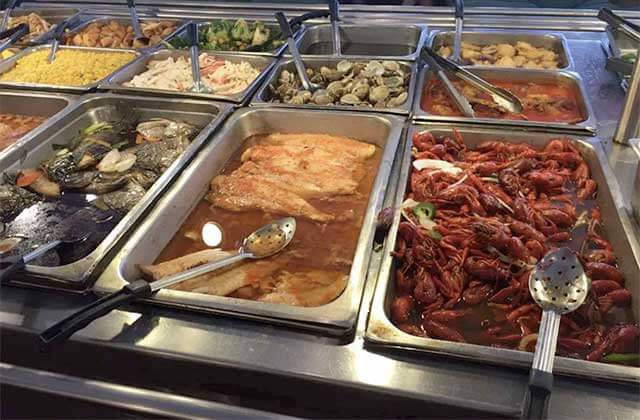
(372,85)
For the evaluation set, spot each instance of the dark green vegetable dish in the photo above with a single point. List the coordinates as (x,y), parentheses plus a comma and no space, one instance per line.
(240,35)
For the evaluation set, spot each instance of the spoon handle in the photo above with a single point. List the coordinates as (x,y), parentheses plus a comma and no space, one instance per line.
(457,37)
(293,50)
(135,22)
(192,34)
(64,329)
(334,9)
(541,377)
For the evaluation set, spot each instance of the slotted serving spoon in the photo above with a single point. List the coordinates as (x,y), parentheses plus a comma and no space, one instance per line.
(560,286)
(264,242)
(293,49)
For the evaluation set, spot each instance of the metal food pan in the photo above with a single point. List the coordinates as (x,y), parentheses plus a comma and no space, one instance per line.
(263,96)
(85,20)
(555,42)
(335,318)
(389,42)
(9,63)
(51,15)
(586,127)
(31,103)
(271,24)
(86,111)
(618,229)
(125,74)
(635,197)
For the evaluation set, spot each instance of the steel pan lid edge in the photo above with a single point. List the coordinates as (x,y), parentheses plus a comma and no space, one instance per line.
(320,316)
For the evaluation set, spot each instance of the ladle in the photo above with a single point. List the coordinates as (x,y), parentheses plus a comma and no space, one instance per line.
(194,53)
(293,49)
(560,286)
(135,23)
(264,242)
(334,9)
(457,37)
(500,96)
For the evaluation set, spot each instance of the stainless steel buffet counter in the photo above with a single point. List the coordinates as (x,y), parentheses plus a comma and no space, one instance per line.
(153,355)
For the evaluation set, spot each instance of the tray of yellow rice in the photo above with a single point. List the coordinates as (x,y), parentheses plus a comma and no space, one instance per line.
(75,70)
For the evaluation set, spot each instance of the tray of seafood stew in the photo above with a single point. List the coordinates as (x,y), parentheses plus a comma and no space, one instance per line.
(263,165)
(389,42)
(551,99)
(372,85)
(507,49)
(229,76)
(88,176)
(23,113)
(480,207)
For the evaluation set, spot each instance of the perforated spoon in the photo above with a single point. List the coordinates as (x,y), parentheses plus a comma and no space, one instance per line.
(293,49)
(560,286)
(264,242)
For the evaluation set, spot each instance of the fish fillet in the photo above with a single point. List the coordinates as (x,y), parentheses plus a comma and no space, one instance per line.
(333,144)
(221,282)
(241,192)
(312,288)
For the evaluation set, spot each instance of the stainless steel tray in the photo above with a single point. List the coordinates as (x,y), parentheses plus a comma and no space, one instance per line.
(382,332)
(271,24)
(555,42)
(588,126)
(115,82)
(262,97)
(85,19)
(51,15)
(88,110)
(8,64)
(31,103)
(389,42)
(335,318)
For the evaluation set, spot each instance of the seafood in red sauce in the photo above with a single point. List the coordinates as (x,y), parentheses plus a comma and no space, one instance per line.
(14,126)
(543,102)
(476,221)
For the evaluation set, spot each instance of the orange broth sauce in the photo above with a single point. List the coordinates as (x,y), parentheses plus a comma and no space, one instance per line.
(315,246)
(434,94)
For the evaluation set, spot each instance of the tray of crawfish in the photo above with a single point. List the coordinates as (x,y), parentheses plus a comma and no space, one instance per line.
(475,209)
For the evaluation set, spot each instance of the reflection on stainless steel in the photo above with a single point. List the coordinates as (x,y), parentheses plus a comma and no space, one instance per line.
(380,331)
(204,115)
(388,41)
(635,193)
(160,226)
(629,125)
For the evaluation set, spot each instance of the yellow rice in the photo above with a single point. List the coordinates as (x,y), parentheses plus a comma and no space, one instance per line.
(70,68)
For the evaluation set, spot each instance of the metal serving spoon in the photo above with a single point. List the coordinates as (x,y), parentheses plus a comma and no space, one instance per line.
(194,53)
(293,49)
(560,286)
(334,9)
(500,96)
(457,36)
(56,37)
(264,242)
(135,22)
